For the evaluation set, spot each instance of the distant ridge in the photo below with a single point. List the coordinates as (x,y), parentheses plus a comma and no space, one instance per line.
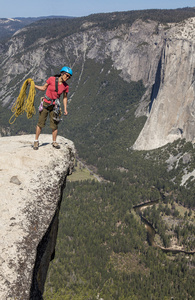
(8,26)
(43,17)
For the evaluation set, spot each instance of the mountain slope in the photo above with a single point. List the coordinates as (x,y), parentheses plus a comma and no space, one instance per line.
(140,48)
(8,26)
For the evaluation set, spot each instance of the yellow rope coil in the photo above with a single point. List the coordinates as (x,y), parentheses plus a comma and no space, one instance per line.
(24,103)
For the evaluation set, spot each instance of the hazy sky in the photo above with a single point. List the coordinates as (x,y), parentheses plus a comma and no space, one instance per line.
(78,8)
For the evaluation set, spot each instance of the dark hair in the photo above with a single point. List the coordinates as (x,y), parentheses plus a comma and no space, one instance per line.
(61,73)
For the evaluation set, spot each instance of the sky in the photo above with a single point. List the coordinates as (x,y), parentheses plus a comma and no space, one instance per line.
(79,8)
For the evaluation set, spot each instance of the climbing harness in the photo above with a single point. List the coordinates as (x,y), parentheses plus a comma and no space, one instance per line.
(24,103)
(57,109)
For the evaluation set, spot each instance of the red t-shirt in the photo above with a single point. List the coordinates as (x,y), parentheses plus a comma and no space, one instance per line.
(51,93)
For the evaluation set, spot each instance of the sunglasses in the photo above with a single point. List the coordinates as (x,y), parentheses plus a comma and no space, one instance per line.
(68,75)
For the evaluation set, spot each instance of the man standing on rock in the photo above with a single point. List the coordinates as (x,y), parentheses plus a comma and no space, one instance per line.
(54,86)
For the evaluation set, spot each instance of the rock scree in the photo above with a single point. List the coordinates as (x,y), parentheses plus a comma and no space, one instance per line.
(31,188)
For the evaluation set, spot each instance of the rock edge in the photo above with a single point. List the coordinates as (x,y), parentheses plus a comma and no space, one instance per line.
(31,189)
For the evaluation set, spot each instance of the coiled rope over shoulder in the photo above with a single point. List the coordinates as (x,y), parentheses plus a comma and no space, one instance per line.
(24,103)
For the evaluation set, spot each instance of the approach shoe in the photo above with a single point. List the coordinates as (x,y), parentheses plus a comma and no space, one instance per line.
(36,145)
(56,145)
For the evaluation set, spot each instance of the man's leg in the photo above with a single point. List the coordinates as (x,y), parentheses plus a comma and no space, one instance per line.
(54,136)
(37,134)
(41,123)
(36,142)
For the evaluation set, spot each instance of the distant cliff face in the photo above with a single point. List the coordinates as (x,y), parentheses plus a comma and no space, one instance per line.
(135,51)
(31,189)
(160,55)
(172,113)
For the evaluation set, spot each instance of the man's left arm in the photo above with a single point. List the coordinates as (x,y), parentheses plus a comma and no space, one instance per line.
(65,101)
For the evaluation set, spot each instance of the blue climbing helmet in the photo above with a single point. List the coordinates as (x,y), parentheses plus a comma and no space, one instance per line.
(67,70)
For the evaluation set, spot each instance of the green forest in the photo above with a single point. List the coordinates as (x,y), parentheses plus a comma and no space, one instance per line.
(103,250)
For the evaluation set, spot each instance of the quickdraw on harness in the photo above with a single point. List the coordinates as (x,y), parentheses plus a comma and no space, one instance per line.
(24,103)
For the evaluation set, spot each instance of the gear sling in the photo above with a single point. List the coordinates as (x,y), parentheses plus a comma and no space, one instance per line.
(57,110)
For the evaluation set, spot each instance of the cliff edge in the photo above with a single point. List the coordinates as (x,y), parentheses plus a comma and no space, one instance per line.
(31,187)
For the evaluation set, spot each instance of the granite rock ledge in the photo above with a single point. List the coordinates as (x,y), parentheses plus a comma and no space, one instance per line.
(31,188)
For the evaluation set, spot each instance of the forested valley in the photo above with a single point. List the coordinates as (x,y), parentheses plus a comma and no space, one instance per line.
(103,250)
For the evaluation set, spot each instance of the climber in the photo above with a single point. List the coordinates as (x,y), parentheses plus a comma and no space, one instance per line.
(54,86)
